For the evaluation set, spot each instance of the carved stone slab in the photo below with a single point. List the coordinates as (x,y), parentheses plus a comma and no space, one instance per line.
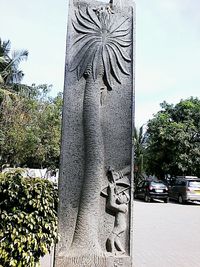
(96,179)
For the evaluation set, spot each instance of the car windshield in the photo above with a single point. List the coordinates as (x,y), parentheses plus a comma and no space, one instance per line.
(157,184)
(195,184)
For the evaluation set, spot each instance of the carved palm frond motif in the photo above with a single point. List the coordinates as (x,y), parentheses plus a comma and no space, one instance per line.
(102,37)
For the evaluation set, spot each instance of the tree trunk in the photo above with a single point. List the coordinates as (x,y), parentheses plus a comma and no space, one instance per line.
(85,239)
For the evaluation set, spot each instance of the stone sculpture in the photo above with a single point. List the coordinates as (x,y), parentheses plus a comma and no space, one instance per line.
(118,203)
(99,56)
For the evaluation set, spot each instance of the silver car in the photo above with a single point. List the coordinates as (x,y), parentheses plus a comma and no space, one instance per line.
(185,188)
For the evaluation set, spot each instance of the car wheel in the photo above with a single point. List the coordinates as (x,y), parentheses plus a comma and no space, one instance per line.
(180,199)
(135,196)
(147,198)
(166,200)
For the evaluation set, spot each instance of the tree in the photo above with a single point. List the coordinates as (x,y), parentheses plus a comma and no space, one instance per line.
(139,141)
(48,120)
(174,139)
(9,64)
(28,219)
(4,51)
(100,55)
(30,128)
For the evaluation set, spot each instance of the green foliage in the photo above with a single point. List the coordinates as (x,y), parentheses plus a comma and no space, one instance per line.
(30,127)
(139,140)
(9,63)
(28,219)
(174,139)
(11,73)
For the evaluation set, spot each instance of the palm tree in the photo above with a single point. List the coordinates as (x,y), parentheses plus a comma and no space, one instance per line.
(139,141)
(9,65)
(4,51)
(100,56)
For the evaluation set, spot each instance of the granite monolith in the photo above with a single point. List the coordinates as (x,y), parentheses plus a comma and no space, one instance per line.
(96,177)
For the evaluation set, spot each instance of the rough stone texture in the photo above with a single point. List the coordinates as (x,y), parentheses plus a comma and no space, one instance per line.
(103,139)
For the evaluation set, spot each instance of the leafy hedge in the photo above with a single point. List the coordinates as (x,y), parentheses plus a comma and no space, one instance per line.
(28,219)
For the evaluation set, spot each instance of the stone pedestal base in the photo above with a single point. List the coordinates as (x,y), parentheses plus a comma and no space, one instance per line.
(94,261)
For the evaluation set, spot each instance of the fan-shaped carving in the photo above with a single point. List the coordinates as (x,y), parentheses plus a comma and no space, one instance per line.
(101,36)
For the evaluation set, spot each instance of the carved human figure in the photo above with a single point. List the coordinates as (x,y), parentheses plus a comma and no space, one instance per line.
(118,203)
(114,176)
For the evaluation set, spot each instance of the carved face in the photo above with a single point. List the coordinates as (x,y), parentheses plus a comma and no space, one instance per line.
(123,198)
(115,176)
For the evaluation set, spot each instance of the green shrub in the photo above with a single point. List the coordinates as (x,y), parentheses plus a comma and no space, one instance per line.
(28,219)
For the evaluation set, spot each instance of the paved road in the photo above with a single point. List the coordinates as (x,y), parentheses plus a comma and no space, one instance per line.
(166,235)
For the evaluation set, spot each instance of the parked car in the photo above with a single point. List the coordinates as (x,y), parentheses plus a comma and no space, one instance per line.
(185,188)
(149,190)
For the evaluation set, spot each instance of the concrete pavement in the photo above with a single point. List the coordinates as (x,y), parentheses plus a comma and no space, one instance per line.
(166,235)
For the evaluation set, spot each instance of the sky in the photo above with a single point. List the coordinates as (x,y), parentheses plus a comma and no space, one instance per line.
(167,47)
